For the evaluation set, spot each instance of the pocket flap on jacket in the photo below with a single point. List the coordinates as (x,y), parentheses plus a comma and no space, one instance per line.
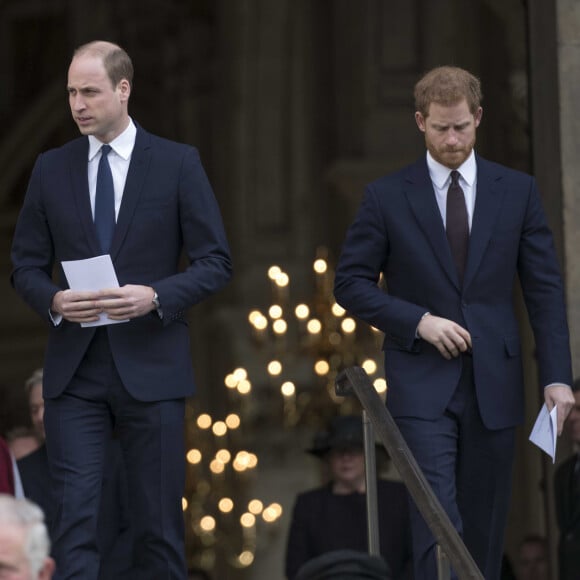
(512,345)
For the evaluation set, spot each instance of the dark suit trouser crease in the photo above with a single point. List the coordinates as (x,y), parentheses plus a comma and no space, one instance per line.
(469,468)
(151,436)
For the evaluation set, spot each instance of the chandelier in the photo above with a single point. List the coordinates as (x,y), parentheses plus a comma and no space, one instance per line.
(294,351)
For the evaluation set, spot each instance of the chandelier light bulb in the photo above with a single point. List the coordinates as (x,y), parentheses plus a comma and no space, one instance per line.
(226,505)
(370,366)
(244,387)
(280,326)
(275,311)
(338,310)
(233,421)
(282,280)
(230,381)
(288,389)
(252,460)
(380,385)
(321,367)
(274,272)
(246,558)
(204,421)
(253,315)
(274,368)
(207,524)
(314,326)
(216,466)
(219,428)
(260,322)
(255,507)
(302,311)
(223,456)
(248,520)
(193,456)
(348,325)
(320,266)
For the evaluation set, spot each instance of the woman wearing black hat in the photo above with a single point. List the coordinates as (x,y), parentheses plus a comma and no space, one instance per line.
(333,517)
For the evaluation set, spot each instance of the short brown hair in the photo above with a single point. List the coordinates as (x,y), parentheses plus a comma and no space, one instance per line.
(447,86)
(116,61)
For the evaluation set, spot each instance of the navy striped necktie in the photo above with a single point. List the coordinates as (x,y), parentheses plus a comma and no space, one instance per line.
(105,201)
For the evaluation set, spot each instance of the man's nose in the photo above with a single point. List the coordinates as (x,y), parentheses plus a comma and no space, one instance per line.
(77,103)
(451,138)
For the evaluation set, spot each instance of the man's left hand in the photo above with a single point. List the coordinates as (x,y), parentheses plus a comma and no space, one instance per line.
(560,395)
(129,301)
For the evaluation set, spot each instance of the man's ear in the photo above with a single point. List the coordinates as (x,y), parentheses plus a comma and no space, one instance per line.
(478,115)
(47,569)
(124,87)
(420,120)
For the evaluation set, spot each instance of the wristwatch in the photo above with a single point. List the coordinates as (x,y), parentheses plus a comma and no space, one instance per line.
(156,302)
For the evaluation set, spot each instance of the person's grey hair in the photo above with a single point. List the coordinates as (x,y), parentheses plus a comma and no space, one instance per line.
(28,516)
(34,379)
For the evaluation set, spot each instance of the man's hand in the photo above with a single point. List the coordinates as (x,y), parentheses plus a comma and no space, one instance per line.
(129,301)
(562,396)
(448,337)
(76,306)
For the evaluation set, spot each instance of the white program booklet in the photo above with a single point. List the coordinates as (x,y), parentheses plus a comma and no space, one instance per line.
(92,274)
(545,431)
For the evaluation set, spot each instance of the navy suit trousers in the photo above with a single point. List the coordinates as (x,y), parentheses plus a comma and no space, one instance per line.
(469,468)
(151,435)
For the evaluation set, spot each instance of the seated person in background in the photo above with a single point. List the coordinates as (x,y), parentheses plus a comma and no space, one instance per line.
(24,543)
(333,517)
(533,561)
(22,442)
(6,471)
(567,496)
(114,531)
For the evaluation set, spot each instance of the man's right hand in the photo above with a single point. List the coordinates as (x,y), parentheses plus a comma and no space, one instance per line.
(448,337)
(76,306)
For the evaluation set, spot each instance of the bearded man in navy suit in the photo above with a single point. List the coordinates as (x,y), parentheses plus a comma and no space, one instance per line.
(450,234)
(134,376)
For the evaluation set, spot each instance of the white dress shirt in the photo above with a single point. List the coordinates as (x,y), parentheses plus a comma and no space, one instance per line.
(441,179)
(119,159)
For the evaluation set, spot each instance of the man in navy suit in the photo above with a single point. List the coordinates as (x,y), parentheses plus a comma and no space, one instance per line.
(450,234)
(132,376)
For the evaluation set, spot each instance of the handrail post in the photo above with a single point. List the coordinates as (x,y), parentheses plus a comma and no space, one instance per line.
(443,566)
(356,379)
(371,486)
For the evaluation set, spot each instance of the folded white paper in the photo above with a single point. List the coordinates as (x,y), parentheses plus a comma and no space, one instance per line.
(545,431)
(92,274)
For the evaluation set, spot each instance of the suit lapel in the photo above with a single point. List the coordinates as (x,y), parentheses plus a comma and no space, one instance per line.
(488,200)
(80,187)
(138,168)
(421,198)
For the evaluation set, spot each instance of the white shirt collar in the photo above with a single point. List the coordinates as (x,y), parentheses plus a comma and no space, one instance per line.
(122,145)
(440,173)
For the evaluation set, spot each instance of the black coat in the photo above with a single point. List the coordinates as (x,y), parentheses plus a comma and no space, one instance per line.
(324,522)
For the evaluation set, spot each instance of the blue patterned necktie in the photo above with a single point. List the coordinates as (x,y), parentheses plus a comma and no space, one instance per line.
(457,227)
(105,201)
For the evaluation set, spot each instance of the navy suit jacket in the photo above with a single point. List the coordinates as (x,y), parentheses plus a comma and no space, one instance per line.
(399,231)
(168,207)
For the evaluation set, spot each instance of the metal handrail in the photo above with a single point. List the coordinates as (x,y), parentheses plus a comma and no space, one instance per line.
(355,380)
